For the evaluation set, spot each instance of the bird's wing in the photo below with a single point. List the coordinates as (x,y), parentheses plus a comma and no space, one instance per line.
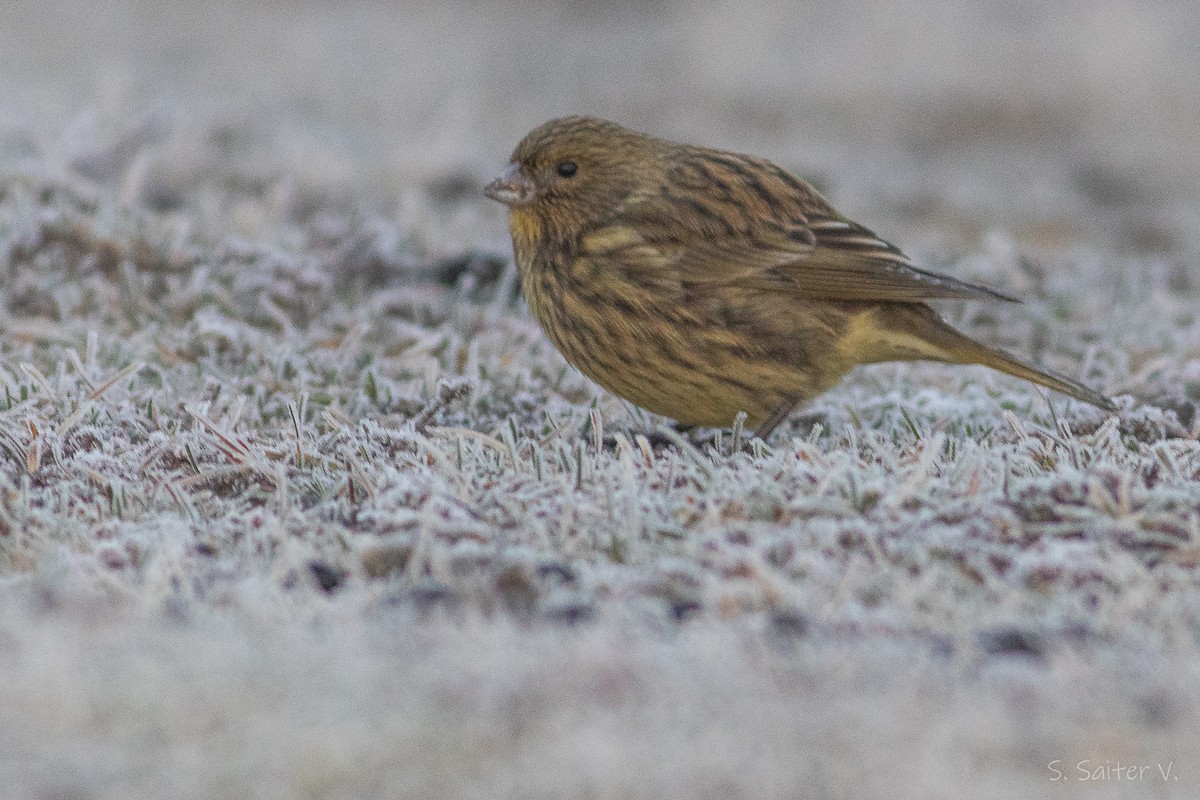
(849,262)
(742,221)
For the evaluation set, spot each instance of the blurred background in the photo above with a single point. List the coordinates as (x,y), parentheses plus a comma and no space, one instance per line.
(1059,123)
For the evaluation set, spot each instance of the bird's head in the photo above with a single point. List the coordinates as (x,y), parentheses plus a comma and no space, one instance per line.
(574,170)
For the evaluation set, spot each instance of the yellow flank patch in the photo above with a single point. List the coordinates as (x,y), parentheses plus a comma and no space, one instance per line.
(866,341)
(860,334)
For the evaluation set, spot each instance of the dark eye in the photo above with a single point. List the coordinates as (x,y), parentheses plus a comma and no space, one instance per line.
(567,168)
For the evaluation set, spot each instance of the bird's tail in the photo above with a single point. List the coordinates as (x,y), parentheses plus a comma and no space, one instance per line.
(940,342)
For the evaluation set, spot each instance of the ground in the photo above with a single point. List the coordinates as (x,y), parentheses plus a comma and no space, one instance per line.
(296,500)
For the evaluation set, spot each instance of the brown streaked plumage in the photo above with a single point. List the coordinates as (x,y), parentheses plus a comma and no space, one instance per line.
(699,283)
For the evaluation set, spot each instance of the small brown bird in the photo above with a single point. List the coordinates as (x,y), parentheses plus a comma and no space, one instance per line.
(698,283)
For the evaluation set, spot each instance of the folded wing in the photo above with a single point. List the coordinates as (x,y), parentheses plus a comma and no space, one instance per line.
(738,220)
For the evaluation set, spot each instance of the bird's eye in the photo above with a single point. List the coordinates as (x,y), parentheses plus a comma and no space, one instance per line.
(567,168)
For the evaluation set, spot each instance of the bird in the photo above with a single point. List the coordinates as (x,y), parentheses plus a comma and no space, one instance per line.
(702,284)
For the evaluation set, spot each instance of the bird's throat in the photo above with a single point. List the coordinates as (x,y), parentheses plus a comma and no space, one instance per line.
(526,230)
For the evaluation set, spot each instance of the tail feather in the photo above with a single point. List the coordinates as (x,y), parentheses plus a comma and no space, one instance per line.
(941,342)
(1010,364)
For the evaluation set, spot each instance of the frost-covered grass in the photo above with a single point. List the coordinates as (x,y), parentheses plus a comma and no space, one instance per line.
(297,501)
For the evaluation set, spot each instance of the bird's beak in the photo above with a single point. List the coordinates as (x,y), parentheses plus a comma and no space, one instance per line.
(513,187)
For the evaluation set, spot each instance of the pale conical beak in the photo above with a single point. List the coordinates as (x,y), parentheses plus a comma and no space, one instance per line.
(513,187)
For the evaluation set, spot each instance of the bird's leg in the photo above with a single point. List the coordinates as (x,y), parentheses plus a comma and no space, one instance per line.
(777,416)
(657,438)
